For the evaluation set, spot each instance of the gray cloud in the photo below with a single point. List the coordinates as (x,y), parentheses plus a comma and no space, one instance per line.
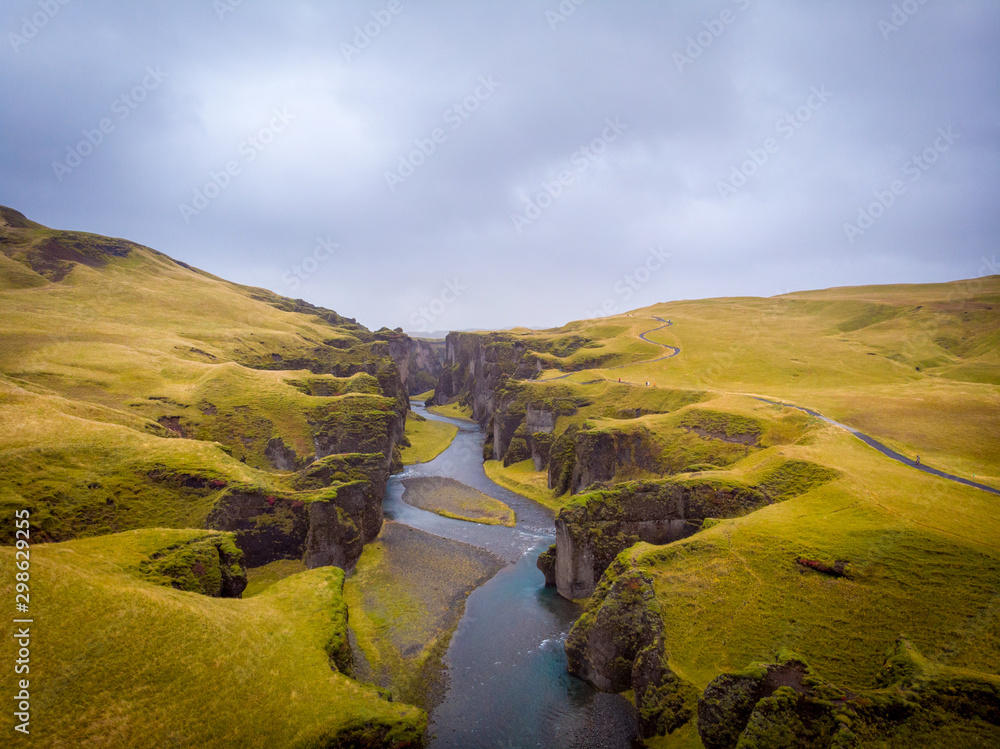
(700,97)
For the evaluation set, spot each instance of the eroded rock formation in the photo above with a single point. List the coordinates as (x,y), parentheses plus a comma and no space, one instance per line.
(595,527)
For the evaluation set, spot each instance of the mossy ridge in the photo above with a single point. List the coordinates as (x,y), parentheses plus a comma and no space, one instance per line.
(164,652)
(87,362)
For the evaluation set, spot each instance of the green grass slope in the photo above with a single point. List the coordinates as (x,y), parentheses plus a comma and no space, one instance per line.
(119,661)
(137,393)
(124,373)
(916,367)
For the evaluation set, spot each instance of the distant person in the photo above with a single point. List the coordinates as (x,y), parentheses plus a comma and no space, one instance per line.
(918,460)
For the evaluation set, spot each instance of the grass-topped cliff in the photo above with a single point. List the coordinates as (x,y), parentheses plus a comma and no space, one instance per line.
(772,529)
(139,394)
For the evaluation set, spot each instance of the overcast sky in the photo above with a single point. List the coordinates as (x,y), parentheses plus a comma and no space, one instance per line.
(450,165)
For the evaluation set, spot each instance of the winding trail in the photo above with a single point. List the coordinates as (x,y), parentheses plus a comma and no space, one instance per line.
(867,439)
(884,449)
(674,349)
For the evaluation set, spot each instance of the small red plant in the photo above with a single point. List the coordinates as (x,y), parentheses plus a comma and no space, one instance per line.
(298,504)
(217,483)
(271,501)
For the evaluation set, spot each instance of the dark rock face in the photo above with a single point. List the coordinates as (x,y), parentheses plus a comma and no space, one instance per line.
(728,702)
(541,446)
(596,527)
(540,420)
(618,645)
(282,457)
(266,528)
(785,705)
(477,366)
(343,514)
(547,564)
(599,455)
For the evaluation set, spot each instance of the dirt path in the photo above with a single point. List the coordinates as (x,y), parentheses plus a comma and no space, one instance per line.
(867,439)
(674,349)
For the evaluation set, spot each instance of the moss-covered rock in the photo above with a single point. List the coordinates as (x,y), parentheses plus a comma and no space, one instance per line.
(784,705)
(595,527)
(547,564)
(211,565)
(618,644)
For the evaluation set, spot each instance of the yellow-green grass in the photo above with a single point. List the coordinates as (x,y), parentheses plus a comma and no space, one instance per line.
(103,371)
(453,499)
(685,737)
(924,560)
(917,366)
(423,397)
(428,439)
(261,578)
(452,410)
(405,598)
(83,472)
(523,479)
(117,661)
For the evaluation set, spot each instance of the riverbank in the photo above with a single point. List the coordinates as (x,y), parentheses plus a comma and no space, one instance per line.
(405,599)
(427,438)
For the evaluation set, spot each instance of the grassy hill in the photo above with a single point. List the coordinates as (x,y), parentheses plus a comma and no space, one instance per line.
(120,661)
(123,373)
(916,367)
(137,395)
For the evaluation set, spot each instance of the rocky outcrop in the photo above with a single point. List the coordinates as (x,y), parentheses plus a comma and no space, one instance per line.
(595,527)
(599,454)
(282,457)
(419,361)
(210,565)
(546,563)
(539,419)
(618,645)
(784,705)
(325,526)
(477,366)
(425,365)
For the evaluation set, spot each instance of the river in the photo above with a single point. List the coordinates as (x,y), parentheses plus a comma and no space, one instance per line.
(507,681)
